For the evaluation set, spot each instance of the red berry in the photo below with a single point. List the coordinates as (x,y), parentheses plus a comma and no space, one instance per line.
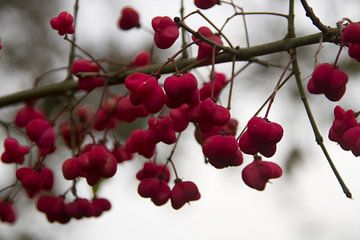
(63,23)
(155,189)
(213,88)
(161,130)
(139,142)
(205,50)
(54,208)
(354,51)
(144,89)
(261,136)
(166,31)
(222,151)
(84,66)
(14,152)
(126,111)
(129,19)
(142,59)
(154,170)
(184,192)
(328,80)
(120,153)
(26,115)
(181,89)
(7,212)
(179,118)
(351,33)
(258,173)
(205,4)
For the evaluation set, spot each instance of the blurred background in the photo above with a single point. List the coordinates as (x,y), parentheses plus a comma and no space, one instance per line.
(306,203)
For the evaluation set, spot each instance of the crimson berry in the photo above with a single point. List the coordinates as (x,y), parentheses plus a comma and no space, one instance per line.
(7,212)
(343,121)
(351,140)
(228,129)
(222,151)
(14,152)
(205,4)
(142,59)
(120,153)
(328,80)
(54,208)
(85,66)
(166,31)
(35,180)
(258,173)
(354,51)
(179,118)
(261,136)
(100,205)
(161,130)
(181,89)
(155,189)
(154,170)
(213,88)
(106,116)
(144,89)
(63,23)
(79,208)
(26,115)
(208,114)
(71,169)
(129,19)
(42,133)
(351,33)
(183,192)
(139,142)
(65,131)
(126,111)
(205,50)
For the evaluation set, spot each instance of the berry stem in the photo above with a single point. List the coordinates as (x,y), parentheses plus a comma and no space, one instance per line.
(276,89)
(231,83)
(73,39)
(337,56)
(267,100)
(183,32)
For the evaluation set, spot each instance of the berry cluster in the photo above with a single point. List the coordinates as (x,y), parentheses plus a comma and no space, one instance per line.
(57,210)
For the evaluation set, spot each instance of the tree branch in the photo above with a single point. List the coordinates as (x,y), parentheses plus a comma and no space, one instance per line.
(242,54)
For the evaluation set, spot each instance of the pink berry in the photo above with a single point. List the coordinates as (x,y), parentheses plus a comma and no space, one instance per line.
(155,189)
